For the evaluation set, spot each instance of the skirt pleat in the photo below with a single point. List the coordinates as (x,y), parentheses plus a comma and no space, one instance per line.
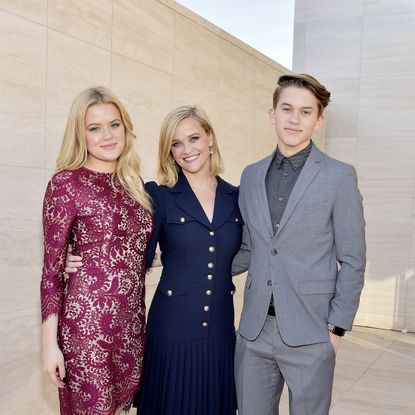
(188,377)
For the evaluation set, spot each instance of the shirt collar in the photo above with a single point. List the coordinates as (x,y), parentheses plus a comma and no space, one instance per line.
(297,160)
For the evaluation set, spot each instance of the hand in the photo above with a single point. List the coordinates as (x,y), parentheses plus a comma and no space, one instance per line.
(53,365)
(73,262)
(335,341)
(157,260)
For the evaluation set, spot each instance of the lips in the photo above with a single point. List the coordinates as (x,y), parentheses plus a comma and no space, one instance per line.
(109,146)
(293,130)
(191,158)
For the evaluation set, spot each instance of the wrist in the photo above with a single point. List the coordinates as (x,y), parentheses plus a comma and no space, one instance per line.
(338,331)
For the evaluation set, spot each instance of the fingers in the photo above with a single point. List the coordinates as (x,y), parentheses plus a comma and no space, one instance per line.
(73,267)
(55,378)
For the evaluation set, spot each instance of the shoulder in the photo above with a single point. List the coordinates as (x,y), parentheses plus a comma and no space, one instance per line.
(228,187)
(64,179)
(337,167)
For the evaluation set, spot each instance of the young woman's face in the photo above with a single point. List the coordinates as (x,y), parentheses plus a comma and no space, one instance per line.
(190,147)
(105,136)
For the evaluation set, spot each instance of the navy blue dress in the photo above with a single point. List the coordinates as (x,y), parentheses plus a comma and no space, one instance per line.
(189,354)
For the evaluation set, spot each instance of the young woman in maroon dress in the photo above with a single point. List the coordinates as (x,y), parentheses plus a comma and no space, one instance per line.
(93,326)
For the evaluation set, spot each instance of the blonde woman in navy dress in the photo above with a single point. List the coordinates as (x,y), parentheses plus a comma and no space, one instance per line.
(93,326)
(189,353)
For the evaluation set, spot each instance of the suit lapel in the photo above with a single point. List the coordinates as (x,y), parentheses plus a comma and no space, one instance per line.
(307,175)
(224,203)
(262,192)
(186,200)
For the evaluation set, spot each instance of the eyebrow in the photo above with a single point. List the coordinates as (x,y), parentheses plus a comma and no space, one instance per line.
(97,123)
(304,108)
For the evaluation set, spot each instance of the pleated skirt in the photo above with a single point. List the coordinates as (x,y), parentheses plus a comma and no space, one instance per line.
(188,377)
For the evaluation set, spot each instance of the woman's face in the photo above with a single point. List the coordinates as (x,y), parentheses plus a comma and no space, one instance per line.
(105,137)
(190,147)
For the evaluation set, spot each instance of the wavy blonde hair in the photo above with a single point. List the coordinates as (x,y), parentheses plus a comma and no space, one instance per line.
(167,171)
(73,152)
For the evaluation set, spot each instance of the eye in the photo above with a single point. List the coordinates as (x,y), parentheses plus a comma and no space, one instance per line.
(286,109)
(93,129)
(194,138)
(175,145)
(306,112)
(115,125)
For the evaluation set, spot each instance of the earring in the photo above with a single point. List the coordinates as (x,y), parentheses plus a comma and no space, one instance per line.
(210,151)
(173,161)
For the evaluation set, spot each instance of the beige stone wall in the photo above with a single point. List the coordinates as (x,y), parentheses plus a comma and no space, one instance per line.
(154,55)
(363,50)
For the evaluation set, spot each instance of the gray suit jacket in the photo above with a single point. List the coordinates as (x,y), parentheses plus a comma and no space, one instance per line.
(314,265)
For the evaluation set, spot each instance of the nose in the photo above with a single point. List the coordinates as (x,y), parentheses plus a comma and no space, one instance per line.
(294,118)
(106,133)
(187,146)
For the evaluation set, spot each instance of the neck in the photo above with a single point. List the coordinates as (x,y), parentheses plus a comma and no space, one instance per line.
(101,167)
(288,151)
(200,181)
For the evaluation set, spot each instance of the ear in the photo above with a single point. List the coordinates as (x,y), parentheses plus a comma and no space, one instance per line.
(210,140)
(320,121)
(271,115)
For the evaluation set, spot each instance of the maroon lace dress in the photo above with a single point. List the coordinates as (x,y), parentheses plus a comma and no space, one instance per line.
(101,308)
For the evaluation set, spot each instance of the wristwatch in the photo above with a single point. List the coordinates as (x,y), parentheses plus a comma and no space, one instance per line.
(338,331)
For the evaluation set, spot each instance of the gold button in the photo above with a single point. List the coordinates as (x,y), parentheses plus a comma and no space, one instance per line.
(236,220)
(232,292)
(169,293)
(182,219)
(210,265)
(208,292)
(211,233)
(211,249)
(206,308)
(205,324)
(210,277)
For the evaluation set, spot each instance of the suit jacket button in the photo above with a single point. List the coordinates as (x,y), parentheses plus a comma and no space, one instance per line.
(236,220)
(206,308)
(169,293)
(210,265)
(211,233)
(274,252)
(208,292)
(211,249)
(210,277)
(182,219)
(269,282)
(232,292)
(205,324)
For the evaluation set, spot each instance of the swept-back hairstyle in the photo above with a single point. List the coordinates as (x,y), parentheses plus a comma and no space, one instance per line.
(73,152)
(167,171)
(303,81)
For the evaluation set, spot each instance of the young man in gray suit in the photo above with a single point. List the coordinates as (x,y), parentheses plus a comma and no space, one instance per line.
(304,249)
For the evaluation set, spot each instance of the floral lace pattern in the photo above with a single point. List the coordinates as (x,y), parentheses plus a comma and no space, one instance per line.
(101,308)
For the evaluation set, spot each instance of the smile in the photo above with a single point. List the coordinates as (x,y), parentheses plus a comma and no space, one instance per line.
(191,158)
(293,130)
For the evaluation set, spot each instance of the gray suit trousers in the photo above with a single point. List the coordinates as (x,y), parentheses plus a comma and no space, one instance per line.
(264,364)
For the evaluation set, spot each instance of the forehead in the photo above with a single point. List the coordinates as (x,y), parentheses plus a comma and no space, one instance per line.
(297,97)
(98,112)
(187,126)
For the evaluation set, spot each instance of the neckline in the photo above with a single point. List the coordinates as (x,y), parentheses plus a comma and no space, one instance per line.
(97,172)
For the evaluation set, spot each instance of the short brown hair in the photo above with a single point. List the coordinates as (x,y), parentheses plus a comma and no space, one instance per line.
(303,81)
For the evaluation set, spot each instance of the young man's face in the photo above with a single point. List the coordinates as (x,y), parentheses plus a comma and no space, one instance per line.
(295,119)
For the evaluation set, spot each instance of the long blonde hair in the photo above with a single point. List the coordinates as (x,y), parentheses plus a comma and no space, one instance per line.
(167,171)
(73,152)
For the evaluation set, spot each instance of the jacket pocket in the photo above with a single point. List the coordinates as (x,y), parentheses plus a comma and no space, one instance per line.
(317,287)
(171,289)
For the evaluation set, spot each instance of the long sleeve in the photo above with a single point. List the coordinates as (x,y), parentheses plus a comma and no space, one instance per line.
(59,212)
(153,190)
(349,235)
